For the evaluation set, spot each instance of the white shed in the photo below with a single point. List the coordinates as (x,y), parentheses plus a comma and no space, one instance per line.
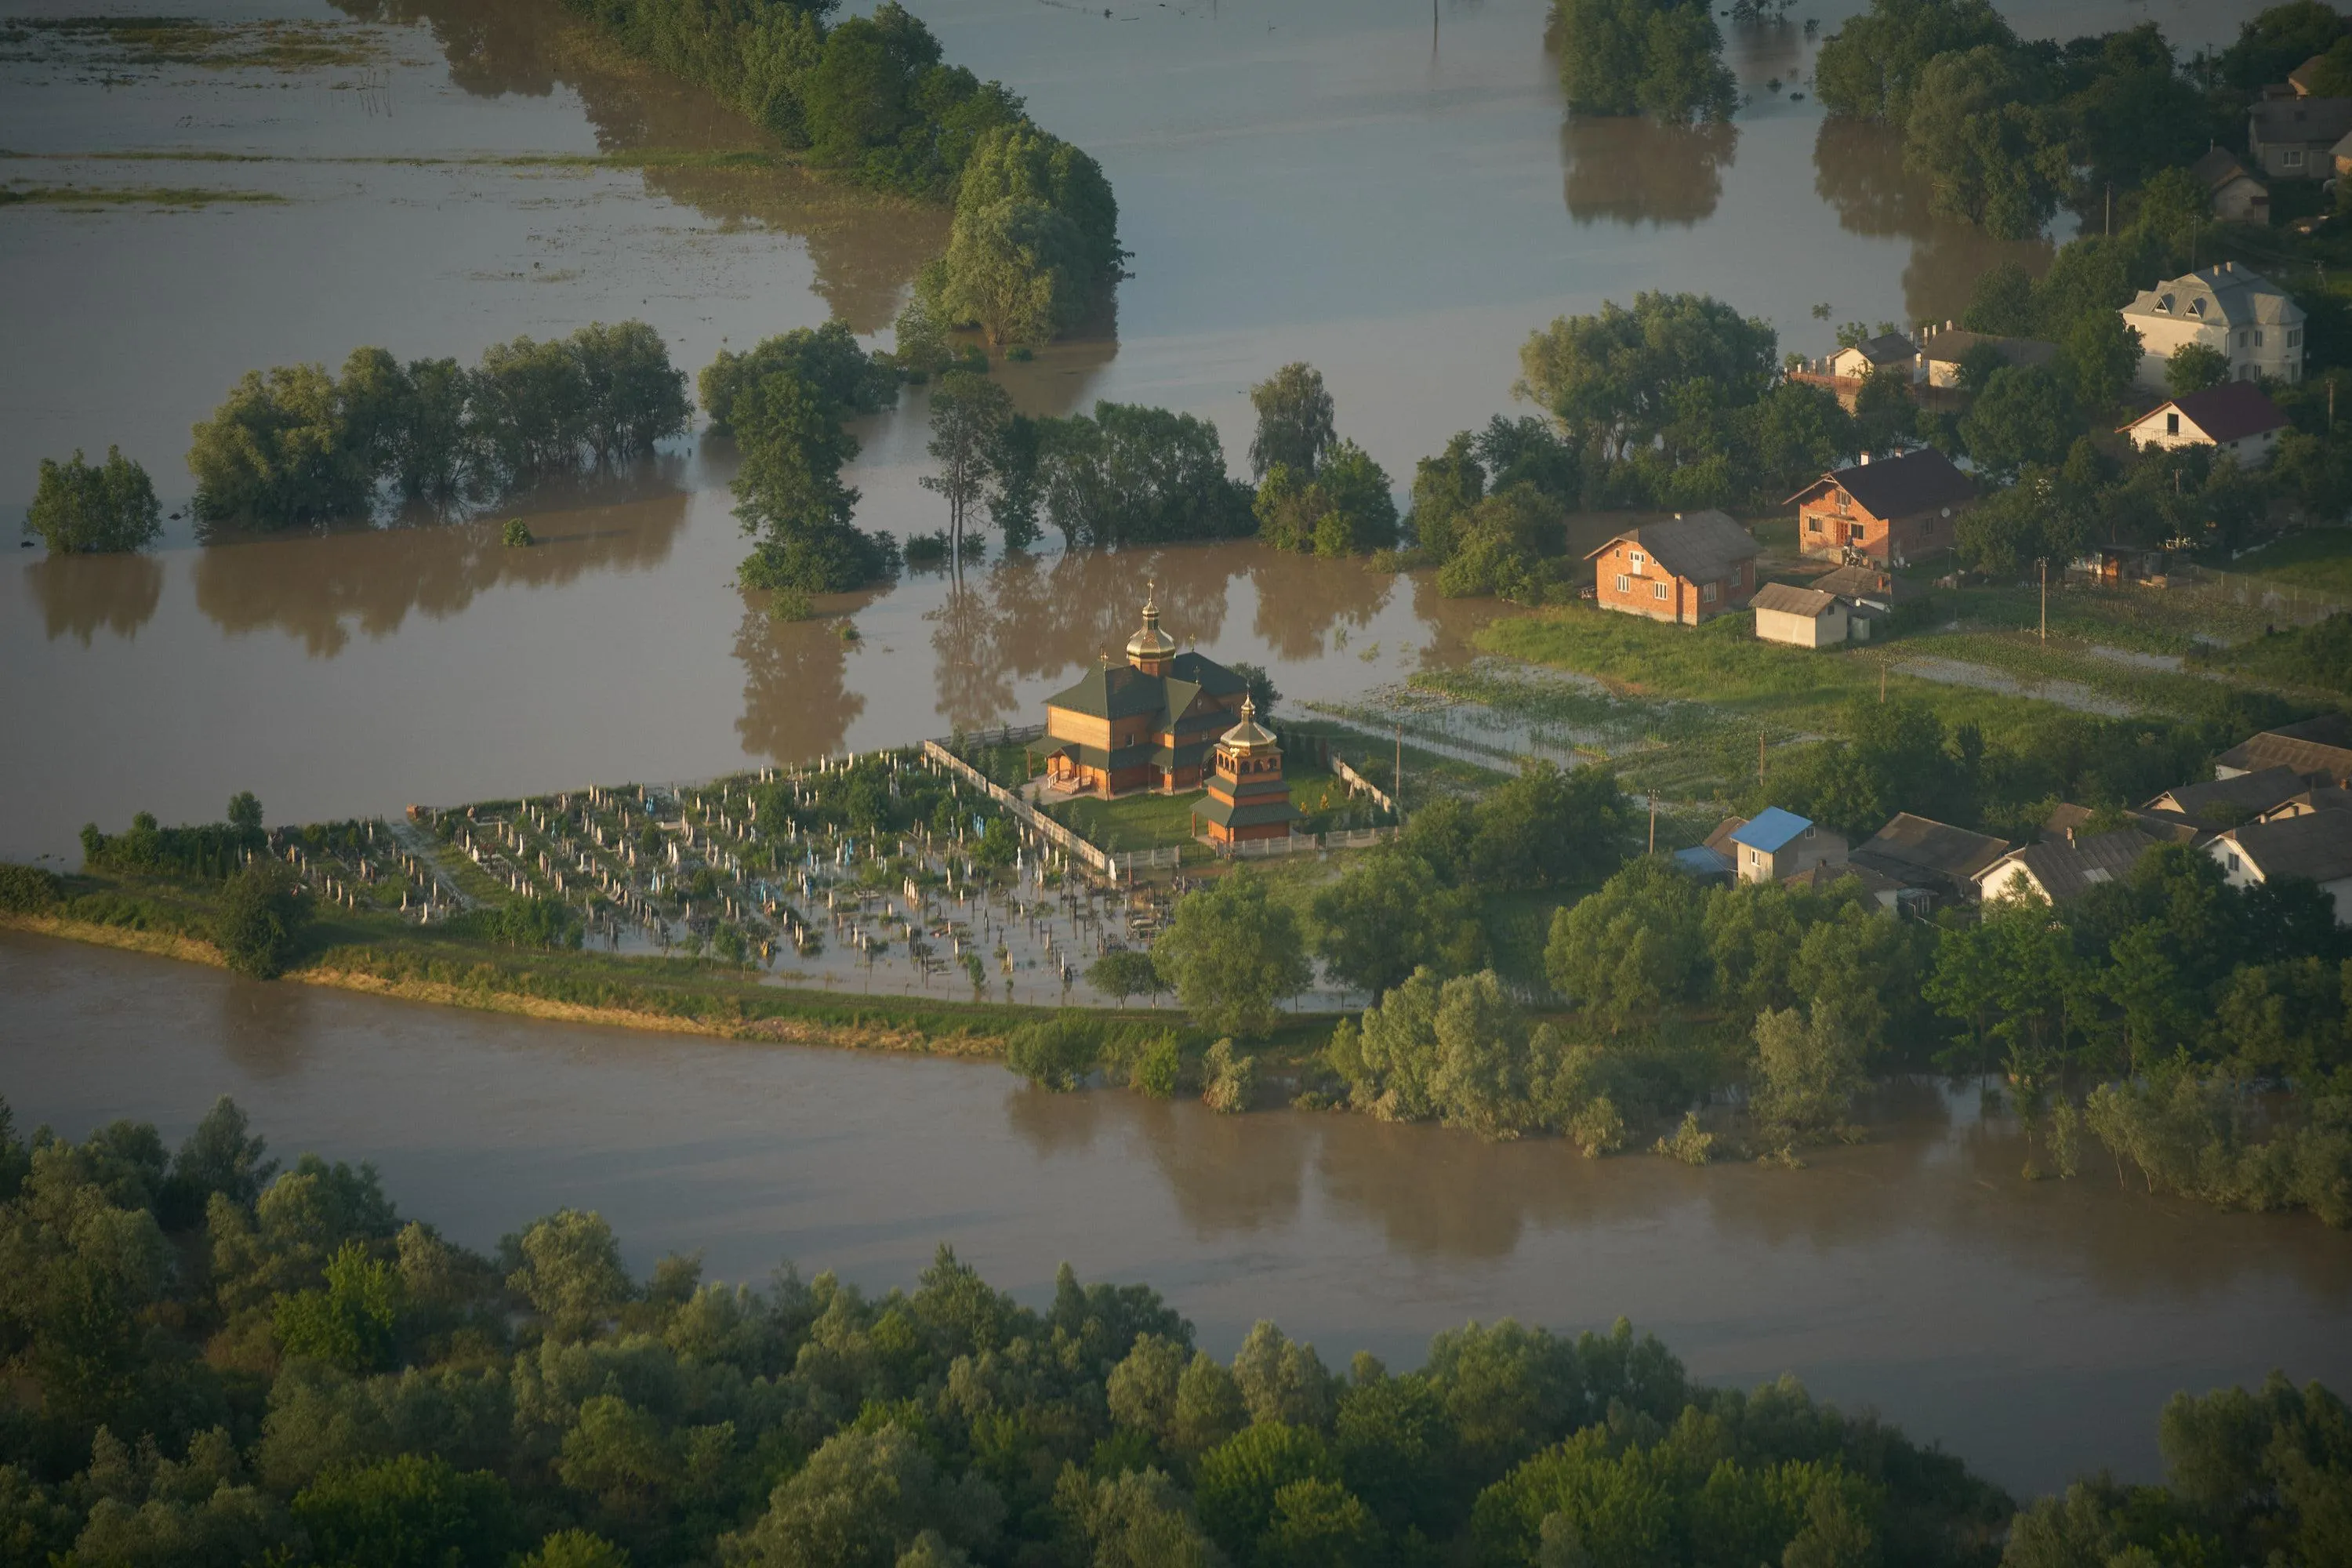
(1803,617)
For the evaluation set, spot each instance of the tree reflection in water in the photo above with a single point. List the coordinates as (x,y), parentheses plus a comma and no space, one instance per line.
(797,704)
(864,252)
(1633,169)
(1858,171)
(83,594)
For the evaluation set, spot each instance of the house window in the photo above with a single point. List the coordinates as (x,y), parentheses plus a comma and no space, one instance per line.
(2172,424)
(1854,533)
(1843,501)
(1709,593)
(1634,558)
(2258,337)
(2292,158)
(1812,524)
(1657,590)
(2242,339)
(2165,304)
(1625,584)
(2295,337)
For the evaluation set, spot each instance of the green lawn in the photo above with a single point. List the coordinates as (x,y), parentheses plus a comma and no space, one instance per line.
(1135,822)
(2319,560)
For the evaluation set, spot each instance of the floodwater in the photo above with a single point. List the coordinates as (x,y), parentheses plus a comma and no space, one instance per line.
(1389,193)
(2034,1329)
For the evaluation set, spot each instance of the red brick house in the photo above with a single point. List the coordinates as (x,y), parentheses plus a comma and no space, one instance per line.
(1685,569)
(1896,510)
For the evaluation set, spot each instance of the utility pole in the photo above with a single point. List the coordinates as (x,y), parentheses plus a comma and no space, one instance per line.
(1654,822)
(1396,779)
(1882,681)
(2331,403)
(2043,564)
(1760,755)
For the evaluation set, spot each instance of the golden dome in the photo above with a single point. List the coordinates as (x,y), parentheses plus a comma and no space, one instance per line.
(1248,736)
(1150,642)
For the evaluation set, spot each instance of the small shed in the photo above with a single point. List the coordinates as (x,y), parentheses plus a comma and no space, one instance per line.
(1801,617)
(2231,189)
(1775,843)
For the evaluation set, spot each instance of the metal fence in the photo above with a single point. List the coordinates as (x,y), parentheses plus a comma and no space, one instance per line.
(2280,601)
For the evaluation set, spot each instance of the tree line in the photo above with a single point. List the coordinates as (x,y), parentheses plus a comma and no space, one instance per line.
(1033,250)
(295,445)
(1659,58)
(215,1359)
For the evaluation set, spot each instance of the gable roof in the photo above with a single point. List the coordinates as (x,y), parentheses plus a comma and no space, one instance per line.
(1811,603)
(2321,745)
(2230,412)
(1952,345)
(1887,348)
(2068,869)
(1865,584)
(1207,674)
(1923,843)
(1900,486)
(2218,168)
(1770,829)
(2299,119)
(2303,75)
(2317,844)
(2216,802)
(1702,547)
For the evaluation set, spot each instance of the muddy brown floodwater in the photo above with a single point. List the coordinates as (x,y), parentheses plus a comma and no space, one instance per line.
(1386,190)
(2033,1329)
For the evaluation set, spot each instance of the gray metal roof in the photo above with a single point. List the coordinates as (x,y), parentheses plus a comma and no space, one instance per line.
(1700,547)
(1811,603)
(2225,294)
(2317,845)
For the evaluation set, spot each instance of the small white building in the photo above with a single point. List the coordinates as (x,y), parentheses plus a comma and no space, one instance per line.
(2237,312)
(1942,351)
(1801,617)
(2236,417)
(2235,195)
(2317,844)
(1774,844)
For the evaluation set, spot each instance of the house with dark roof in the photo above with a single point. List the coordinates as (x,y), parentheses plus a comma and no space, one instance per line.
(2236,417)
(1920,852)
(1151,724)
(2209,807)
(2319,749)
(1944,350)
(2290,138)
(1867,586)
(2055,871)
(2316,846)
(1775,843)
(1897,510)
(1888,351)
(2230,189)
(1686,569)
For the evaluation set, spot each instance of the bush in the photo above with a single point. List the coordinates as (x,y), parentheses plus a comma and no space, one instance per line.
(516,534)
(260,920)
(28,889)
(1158,1069)
(1129,971)
(1689,1143)
(1056,1053)
(81,506)
(1232,1080)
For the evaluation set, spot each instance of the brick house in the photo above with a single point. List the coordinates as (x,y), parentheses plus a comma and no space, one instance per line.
(1685,569)
(1897,510)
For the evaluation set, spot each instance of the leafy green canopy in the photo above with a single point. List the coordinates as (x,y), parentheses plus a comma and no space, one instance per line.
(1661,58)
(80,506)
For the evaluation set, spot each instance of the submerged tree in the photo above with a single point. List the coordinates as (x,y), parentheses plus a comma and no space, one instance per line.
(86,508)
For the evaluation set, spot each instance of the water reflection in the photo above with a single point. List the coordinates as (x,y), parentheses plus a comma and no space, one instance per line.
(266,1029)
(1632,170)
(1858,169)
(320,589)
(865,250)
(1301,600)
(797,704)
(82,594)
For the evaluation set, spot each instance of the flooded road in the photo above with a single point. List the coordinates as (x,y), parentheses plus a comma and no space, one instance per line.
(2033,1329)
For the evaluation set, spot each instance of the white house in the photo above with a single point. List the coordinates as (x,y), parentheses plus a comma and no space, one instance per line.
(1801,617)
(2235,194)
(1774,844)
(2058,869)
(2317,844)
(2240,313)
(2236,417)
(1888,351)
(1943,350)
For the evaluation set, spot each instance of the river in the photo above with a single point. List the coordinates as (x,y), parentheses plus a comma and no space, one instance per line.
(1386,191)
(2034,1329)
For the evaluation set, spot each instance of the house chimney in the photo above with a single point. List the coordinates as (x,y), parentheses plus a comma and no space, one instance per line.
(1865,461)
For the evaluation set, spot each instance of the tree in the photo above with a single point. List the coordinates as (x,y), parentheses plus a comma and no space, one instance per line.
(2193,367)
(1807,1072)
(630,396)
(1662,57)
(1294,422)
(1236,1482)
(1389,914)
(1869,69)
(1616,380)
(789,495)
(2101,355)
(843,378)
(409,1512)
(1633,949)
(568,1266)
(969,416)
(865,1496)
(1124,973)
(2023,415)
(80,506)
(1128,474)
(576,1548)
(1345,510)
(1993,150)
(1231,954)
(1444,489)
(275,453)
(1056,1053)
(1262,689)
(244,812)
(350,1323)
(1548,827)
(259,925)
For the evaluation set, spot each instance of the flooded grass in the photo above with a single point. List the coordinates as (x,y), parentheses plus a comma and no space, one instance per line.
(86,197)
(155,41)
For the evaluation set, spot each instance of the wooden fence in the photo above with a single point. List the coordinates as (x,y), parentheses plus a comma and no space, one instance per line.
(1032,822)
